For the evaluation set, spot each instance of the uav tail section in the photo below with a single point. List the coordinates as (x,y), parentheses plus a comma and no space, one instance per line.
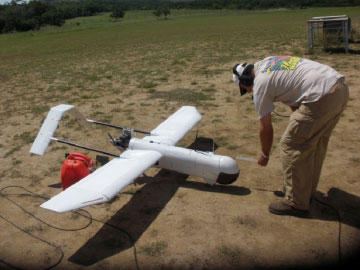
(48,128)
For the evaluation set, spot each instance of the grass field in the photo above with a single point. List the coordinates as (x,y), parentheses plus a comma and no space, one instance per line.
(135,72)
(188,38)
(96,55)
(89,53)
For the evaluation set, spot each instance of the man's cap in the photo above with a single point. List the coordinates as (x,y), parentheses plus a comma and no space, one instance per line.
(238,70)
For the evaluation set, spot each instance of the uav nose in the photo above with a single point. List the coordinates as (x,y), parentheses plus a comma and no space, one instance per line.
(229,171)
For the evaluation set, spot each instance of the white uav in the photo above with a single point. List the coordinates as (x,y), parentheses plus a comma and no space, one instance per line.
(156,149)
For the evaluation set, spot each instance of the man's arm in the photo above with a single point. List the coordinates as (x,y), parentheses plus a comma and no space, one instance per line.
(266,139)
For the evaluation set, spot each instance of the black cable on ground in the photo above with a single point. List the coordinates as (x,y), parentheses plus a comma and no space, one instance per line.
(57,248)
(32,194)
(339,221)
(120,230)
(127,234)
(88,216)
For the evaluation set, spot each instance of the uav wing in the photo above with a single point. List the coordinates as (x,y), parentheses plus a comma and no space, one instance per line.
(175,126)
(104,183)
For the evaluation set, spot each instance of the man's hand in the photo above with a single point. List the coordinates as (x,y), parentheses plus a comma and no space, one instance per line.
(263,161)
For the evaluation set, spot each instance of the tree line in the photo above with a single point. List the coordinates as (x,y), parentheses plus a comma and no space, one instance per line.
(22,16)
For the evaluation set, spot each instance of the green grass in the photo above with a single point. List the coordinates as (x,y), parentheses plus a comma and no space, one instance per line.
(231,253)
(25,137)
(154,249)
(40,109)
(182,95)
(12,151)
(207,35)
(91,57)
(221,141)
(147,84)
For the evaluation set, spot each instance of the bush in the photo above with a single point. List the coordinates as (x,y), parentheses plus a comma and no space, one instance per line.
(118,12)
(35,9)
(2,24)
(157,12)
(53,17)
(28,24)
(162,10)
(25,17)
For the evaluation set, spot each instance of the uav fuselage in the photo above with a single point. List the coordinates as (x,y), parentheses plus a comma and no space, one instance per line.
(213,168)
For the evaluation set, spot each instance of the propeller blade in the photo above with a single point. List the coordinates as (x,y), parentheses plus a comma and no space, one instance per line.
(112,139)
(246,159)
(114,126)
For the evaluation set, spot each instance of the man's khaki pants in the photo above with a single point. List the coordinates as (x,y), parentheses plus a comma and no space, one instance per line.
(304,144)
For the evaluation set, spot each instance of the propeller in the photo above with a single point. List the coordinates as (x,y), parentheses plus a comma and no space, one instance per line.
(246,159)
(118,127)
(112,139)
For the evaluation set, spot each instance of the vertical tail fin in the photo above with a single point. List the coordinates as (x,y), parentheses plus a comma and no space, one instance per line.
(48,128)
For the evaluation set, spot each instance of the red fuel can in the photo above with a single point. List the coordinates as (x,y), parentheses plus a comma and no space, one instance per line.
(74,168)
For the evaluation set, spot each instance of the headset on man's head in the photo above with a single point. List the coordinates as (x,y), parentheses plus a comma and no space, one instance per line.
(245,78)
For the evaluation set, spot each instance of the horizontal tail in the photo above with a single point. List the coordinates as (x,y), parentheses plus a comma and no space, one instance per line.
(48,128)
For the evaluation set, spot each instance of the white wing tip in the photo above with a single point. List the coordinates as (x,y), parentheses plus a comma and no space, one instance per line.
(48,128)
(63,203)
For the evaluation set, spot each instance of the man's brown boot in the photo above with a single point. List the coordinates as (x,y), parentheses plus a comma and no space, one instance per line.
(282,208)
